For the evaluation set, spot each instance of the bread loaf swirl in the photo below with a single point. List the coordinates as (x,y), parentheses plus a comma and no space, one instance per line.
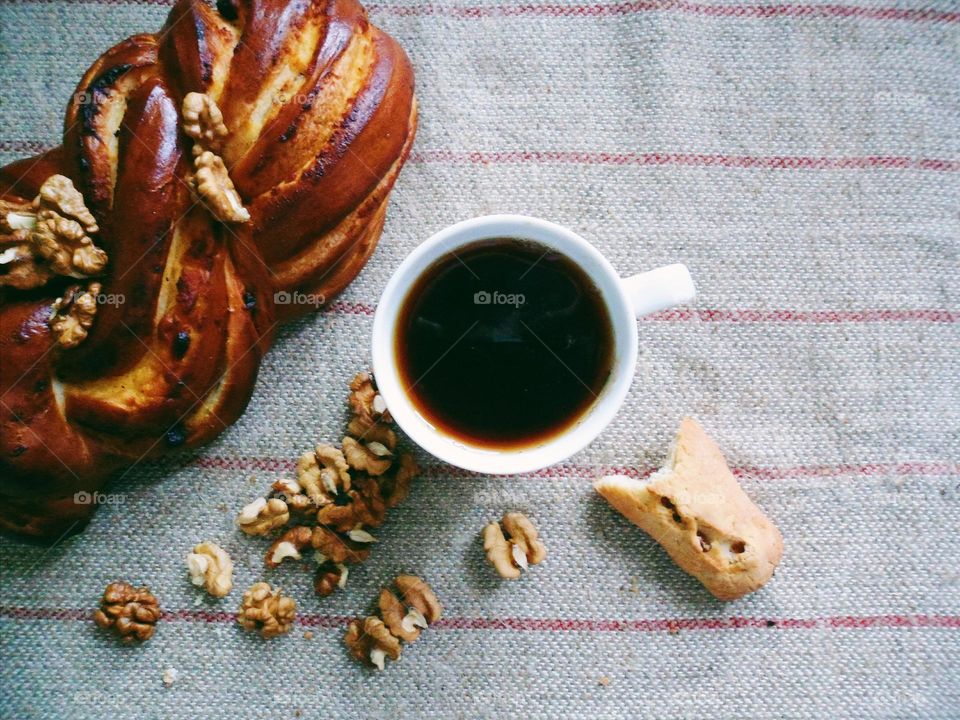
(320,116)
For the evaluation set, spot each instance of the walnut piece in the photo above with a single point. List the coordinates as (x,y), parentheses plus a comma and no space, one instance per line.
(396,486)
(331,545)
(370,642)
(371,457)
(203,121)
(216,189)
(401,617)
(211,567)
(72,315)
(65,247)
(323,474)
(362,505)
(522,549)
(132,613)
(58,194)
(267,610)
(367,404)
(288,545)
(416,608)
(263,515)
(292,494)
(329,577)
(20,267)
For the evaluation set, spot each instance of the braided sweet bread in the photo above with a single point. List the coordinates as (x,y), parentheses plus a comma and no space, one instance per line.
(241,155)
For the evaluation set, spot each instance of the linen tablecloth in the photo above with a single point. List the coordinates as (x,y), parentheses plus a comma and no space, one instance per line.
(804,161)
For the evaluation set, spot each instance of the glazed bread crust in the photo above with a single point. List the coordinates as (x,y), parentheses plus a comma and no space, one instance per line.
(321,116)
(695,508)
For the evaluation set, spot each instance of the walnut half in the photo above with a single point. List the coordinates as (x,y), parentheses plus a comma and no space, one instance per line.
(216,189)
(267,610)
(401,617)
(288,545)
(203,121)
(520,550)
(263,515)
(211,567)
(72,315)
(132,613)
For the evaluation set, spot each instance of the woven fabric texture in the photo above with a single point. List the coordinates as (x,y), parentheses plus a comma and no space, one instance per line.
(804,161)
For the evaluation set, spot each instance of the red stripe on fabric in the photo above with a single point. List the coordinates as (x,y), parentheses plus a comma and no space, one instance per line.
(787,10)
(932,315)
(587,625)
(345,308)
(748,162)
(573,157)
(545,624)
(601,10)
(563,471)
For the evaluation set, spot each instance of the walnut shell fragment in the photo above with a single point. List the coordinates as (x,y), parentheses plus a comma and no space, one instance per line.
(695,508)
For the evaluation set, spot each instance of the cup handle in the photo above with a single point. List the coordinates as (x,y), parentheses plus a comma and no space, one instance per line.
(659,289)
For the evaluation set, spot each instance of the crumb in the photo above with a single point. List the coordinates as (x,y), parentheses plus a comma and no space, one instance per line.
(251,481)
(634,585)
(604,681)
(222,507)
(673,629)
(771,623)
(308,635)
(170,676)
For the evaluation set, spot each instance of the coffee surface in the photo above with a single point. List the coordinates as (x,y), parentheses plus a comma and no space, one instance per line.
(503,344)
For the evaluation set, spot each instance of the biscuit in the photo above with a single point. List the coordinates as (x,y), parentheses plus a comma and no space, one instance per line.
(696,509)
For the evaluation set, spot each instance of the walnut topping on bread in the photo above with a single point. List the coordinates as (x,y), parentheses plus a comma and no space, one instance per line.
(203,121)
(72,314)
(697,511)
(216,189)
(49,237)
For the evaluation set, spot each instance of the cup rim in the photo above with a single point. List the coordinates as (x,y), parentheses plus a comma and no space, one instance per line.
(560,446)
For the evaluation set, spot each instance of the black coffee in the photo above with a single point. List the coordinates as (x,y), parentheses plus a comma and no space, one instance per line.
(504,343)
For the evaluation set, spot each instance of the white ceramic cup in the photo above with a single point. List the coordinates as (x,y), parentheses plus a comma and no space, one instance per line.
(626,300)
